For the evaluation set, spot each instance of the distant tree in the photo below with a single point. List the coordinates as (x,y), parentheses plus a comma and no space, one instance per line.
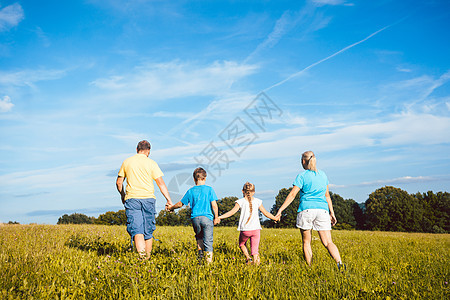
(226,204)
(112,218)
(436,211)
(75,218)
(13,223)
(392,209)
(348,213)
(166,218)
(184,215)
(343,209)
(289,215)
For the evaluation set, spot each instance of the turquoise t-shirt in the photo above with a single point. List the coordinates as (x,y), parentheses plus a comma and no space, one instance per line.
(199,198)
(313,186)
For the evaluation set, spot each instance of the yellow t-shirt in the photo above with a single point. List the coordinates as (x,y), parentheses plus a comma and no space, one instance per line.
(140,171)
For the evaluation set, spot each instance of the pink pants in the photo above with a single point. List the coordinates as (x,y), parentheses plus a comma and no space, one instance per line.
(254,236)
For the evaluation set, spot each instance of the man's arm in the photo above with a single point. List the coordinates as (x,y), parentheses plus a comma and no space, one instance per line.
(163,188)
(175,206)
(119,186)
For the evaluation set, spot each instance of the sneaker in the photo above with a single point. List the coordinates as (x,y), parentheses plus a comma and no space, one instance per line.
(341,267)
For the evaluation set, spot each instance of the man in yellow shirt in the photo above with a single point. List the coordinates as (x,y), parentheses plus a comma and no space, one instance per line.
(139,198)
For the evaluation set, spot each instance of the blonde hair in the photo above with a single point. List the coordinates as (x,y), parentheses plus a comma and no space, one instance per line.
(246,190)
(309,161)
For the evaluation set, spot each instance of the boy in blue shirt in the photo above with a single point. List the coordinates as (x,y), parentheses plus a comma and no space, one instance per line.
(205,214)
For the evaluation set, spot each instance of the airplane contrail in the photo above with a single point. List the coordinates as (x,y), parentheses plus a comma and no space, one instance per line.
(327,58)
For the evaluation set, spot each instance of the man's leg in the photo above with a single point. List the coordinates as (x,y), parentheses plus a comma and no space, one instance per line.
(307,251)
(149,217)
(325,237)
(148,247)
(140,244)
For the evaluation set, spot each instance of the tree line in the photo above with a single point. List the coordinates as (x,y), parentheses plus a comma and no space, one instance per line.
(387,209)
(108,218)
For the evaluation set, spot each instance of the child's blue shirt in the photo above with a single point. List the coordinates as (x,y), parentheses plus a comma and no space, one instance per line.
(199,198)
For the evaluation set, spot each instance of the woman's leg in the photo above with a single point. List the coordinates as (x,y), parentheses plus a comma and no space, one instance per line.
(325,237)
(307,251)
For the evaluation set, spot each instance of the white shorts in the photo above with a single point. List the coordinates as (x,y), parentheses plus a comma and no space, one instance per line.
(317,219)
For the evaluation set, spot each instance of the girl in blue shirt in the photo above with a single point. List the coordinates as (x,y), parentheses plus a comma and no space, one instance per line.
(315,210)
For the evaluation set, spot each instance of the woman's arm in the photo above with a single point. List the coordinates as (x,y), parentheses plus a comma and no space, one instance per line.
(231,212)
(267,214)
(330,207)
(288,200)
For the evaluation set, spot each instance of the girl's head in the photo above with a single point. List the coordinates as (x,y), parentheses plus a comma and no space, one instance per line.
(309,161)
(248,190)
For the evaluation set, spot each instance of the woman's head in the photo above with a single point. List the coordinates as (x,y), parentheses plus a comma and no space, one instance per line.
(309,161)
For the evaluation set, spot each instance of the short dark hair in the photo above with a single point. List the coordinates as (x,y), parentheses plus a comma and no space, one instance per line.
(143,145)
(199,174)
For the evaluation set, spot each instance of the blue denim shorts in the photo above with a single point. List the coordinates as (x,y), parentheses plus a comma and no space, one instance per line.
(203,228)
(141,215)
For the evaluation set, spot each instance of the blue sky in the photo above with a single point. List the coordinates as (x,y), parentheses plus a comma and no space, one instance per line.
(364,84)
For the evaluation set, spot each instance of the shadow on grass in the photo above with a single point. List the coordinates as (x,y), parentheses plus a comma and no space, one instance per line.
(97,245)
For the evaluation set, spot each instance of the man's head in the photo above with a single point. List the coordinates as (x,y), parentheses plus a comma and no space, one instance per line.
(143,147)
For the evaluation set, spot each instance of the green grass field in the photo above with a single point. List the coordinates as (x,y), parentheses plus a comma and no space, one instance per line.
(94,262)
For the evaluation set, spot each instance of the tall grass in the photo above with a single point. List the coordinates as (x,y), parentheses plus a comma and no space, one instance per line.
(94,262)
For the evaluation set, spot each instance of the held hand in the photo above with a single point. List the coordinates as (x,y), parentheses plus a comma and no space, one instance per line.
(169,206)
(333,219)
(216,221)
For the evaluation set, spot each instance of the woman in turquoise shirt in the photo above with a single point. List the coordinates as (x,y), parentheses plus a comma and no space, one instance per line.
(315,210)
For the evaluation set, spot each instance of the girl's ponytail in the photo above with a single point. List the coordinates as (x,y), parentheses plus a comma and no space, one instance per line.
(247,189)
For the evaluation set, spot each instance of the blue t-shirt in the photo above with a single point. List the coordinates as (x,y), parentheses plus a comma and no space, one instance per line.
(313,186)
(199,198)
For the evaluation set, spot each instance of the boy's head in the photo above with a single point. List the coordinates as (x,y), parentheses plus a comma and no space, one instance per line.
(199,174)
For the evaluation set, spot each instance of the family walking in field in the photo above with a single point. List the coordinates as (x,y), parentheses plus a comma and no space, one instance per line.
(315,210)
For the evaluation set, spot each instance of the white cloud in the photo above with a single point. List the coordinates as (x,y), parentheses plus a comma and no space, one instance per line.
(29,77)
(5,104)
(331,2)
(10,16)
(392,181)
(404,70)
(415,90)
(174,79)
(307,17)
(401,130)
